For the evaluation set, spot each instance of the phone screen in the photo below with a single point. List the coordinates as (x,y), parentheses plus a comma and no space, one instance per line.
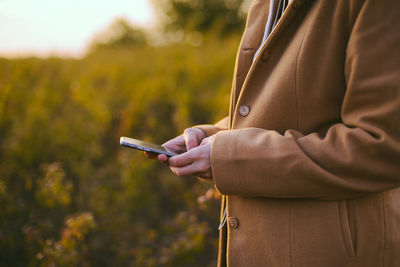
(145,146)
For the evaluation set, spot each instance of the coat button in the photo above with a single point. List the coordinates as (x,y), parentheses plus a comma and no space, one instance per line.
(297,3)
(244,110)
(266,54)
(233,222)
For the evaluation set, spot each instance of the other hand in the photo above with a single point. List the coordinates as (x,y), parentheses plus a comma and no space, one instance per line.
(190,139)
(196,161)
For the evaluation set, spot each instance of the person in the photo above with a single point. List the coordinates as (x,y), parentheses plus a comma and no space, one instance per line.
(308,160)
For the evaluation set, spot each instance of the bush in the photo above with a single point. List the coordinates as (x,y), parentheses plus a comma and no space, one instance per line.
(70,194)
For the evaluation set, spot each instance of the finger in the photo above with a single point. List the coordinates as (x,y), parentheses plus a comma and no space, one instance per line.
(193,137)
(150,155)
(207,140)
(190,139)
(182,159)
(176,140)
(196,168)
(163,158)
(182,171)
(177,145)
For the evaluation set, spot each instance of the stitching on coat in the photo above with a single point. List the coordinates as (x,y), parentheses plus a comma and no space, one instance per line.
(342,231)
(290,234)
(384,230)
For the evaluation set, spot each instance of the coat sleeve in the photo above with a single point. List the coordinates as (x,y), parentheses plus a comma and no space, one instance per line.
(358,156)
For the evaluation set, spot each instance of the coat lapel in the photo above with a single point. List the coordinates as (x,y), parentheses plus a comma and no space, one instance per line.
(251,41)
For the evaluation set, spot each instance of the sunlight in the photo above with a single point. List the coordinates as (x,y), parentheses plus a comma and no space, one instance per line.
(46,27)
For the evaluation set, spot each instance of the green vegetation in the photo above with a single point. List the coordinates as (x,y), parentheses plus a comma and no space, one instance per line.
(222,17)
(69,194)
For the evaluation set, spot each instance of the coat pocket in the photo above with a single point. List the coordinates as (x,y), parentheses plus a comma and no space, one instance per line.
(347,222)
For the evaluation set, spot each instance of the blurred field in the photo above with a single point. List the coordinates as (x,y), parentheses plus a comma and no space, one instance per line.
(69,194)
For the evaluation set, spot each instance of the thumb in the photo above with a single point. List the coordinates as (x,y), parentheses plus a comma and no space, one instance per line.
(191,142)
(192,137)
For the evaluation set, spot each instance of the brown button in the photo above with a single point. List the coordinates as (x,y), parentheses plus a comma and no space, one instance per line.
(297,3)
(244,110)
(233,222)
(266,54)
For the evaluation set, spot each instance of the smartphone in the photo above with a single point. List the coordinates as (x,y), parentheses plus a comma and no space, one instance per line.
(145,146)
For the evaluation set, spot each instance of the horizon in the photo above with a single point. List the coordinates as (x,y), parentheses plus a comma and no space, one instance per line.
(45,28)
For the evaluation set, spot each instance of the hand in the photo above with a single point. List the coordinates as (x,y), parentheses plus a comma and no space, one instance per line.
(190,139)
(195,161)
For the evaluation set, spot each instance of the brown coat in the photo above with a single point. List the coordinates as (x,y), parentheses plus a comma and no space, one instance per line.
(310,165)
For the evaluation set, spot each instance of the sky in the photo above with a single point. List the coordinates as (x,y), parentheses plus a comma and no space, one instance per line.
(62,27)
